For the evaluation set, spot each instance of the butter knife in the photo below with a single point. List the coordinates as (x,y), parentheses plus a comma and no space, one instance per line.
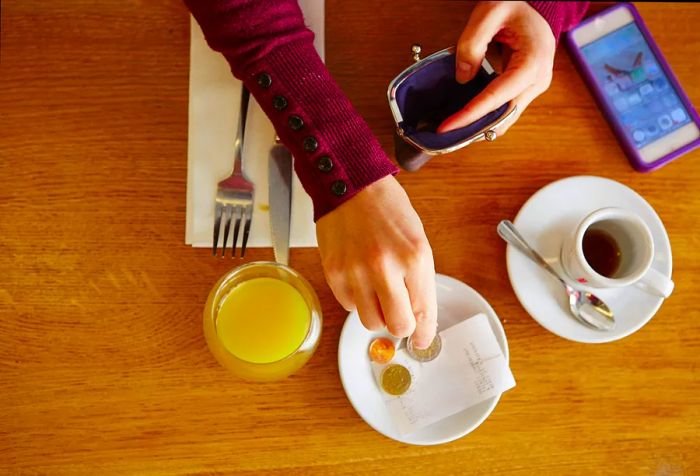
(280,197)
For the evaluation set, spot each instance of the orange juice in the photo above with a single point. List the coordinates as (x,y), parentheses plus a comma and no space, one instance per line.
(262,321)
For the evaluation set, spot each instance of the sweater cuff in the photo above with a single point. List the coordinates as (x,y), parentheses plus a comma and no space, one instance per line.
(561,16)
(336,155)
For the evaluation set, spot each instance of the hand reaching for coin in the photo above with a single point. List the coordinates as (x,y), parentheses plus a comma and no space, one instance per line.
(377,260)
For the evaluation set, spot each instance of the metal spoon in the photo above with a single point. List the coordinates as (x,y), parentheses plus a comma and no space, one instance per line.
(585,307)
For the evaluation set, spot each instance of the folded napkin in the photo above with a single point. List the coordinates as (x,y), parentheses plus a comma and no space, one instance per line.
(213,118)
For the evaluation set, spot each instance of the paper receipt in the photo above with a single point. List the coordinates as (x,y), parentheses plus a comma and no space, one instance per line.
(470,369)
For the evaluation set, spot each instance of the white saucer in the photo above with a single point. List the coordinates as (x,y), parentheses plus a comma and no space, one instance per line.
(544,220)
(456,302)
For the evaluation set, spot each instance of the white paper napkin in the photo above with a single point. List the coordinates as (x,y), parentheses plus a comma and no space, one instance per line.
(213,118)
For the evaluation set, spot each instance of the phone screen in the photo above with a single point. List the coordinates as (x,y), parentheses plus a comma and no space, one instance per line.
(635,87)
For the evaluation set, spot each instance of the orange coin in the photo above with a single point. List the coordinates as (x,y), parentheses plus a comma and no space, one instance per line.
(381,350)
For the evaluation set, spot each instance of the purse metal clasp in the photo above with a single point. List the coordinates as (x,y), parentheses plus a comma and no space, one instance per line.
(410,94)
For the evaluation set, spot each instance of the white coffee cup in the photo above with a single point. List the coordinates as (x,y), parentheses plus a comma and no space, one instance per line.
(636,253)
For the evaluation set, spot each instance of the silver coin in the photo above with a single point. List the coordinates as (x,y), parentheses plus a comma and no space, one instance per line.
(427,354)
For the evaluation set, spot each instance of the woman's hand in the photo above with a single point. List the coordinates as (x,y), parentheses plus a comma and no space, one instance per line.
(377,260)
(529,69)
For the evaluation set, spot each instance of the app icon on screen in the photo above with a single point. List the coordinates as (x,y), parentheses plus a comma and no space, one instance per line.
(634,99)
(627,118)
(660,84)
(645,89)
(611,89)
(651,68)
(678,115)
(638,75)
(665,122)
(621,104)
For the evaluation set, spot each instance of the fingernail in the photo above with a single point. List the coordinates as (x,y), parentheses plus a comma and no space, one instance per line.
(464,67)
(419,344)
(464,71)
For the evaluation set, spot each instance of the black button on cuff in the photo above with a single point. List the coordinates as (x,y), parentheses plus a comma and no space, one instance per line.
(325,164)
(295,122)
(279,103)
(339,188)
(264,80)
(310,144)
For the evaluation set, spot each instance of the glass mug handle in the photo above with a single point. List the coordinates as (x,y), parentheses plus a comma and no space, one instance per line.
(656,283)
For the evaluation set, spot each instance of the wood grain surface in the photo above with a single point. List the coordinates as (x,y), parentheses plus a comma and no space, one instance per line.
(103,366)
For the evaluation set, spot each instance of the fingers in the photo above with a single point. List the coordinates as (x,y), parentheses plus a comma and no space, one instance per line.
(522,101)
(367,304)
(341,288)
(518,26)
(484,23)
(395,304)
(520,74)
(421,289)
(369,246)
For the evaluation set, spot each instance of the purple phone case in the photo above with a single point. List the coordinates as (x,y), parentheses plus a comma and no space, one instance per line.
(590,80)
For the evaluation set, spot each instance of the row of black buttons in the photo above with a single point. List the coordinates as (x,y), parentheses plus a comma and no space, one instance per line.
(310,143)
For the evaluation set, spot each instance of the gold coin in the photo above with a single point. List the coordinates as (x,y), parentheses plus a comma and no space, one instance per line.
(427,354)
(381,350)
(396,379)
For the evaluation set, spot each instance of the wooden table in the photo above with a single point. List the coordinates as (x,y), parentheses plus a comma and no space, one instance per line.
(103,367)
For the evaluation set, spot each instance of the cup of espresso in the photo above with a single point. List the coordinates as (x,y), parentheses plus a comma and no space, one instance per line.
(611,248)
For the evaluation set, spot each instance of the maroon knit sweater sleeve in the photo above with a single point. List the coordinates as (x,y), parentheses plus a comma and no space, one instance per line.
(561,16)
(271,50)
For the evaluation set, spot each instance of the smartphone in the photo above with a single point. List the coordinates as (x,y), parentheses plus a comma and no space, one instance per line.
(641,98)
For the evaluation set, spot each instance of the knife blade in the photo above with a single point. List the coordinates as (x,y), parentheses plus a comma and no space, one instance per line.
(280,197)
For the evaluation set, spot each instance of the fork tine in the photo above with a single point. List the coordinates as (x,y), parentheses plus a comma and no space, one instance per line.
(217,224)
(227,227)
(246,230)
(236,229)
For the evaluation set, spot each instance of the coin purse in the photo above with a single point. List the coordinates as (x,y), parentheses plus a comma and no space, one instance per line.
(425,94)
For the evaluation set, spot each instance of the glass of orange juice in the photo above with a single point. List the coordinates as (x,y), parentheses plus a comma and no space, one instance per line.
(262,321)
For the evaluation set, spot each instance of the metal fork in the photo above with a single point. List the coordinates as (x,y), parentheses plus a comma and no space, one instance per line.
(234,195)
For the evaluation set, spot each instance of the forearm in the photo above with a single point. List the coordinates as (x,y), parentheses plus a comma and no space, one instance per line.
(270,49)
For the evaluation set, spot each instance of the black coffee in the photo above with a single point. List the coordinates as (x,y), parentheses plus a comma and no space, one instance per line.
(601,252)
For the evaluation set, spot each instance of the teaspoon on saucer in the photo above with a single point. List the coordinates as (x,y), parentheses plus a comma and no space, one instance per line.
(584,306)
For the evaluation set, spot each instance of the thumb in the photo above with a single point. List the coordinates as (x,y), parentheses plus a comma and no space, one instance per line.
(484,23)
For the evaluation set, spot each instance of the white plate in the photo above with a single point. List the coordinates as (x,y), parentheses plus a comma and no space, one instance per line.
(544,220)
(456,302)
